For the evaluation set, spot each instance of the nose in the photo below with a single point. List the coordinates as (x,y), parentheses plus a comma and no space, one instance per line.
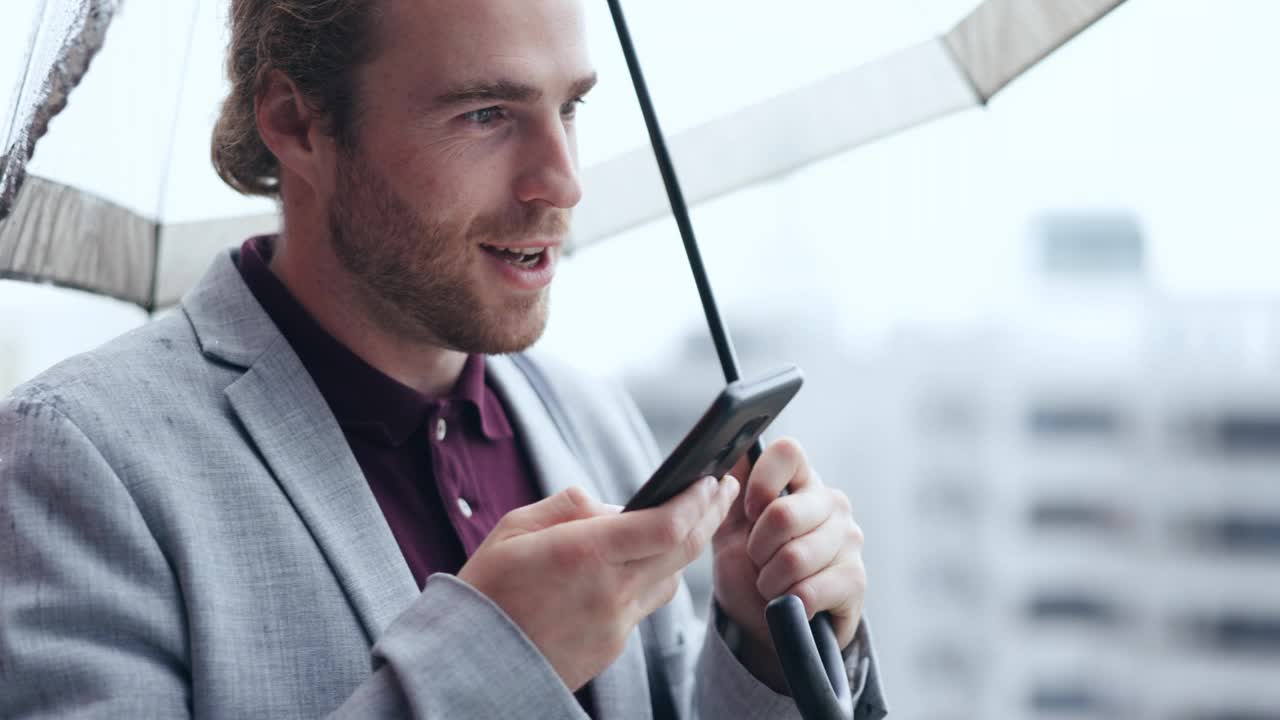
(550,172)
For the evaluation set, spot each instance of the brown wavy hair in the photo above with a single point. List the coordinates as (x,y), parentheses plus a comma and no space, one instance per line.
(318,44)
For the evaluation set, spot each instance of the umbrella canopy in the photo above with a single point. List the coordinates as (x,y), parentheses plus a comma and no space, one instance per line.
(119,196)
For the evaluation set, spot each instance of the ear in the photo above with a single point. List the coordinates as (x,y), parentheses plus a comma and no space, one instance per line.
(291,129)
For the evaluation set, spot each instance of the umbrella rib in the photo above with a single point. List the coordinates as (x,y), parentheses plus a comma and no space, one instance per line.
(163,195)
(177,113)
(26,72)
(13,162)
(78,48)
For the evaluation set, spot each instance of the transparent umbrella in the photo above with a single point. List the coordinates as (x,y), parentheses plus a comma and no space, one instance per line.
(106,183)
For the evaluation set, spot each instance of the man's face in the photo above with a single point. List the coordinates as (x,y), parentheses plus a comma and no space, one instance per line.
(465,160)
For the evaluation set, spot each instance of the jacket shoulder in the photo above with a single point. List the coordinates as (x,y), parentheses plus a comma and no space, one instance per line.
(123,377)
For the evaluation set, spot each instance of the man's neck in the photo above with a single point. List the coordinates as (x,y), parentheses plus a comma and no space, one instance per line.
(317,280)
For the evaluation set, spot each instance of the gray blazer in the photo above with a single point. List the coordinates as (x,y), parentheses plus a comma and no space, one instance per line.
(184,532)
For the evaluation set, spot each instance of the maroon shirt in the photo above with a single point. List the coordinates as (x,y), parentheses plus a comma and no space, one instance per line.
(444,470)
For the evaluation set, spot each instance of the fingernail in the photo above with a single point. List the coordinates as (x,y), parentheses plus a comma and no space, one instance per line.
(731,486)
(709,485)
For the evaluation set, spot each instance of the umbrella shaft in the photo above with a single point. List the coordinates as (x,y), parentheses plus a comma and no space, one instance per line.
(719,333)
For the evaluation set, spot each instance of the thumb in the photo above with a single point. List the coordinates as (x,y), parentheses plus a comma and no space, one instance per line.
(565,506)
(737,517)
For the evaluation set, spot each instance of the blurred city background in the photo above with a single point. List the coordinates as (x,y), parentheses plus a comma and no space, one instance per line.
(1042,349)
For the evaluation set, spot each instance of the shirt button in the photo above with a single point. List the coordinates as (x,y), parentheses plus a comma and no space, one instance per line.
(441,429)
(464,507)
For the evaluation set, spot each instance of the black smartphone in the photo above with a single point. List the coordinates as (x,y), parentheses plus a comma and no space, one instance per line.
(732,424)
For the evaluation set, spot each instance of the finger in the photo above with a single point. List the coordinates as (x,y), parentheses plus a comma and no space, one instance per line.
(644,533)
(565,506)
(840,590)
(805,556)
(690,546)
(786,519)
(782,466)
(735,584)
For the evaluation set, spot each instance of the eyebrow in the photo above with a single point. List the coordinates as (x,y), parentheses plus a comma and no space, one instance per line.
(507,91)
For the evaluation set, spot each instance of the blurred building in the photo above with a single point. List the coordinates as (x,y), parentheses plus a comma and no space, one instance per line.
(1073,513)
(1094,486)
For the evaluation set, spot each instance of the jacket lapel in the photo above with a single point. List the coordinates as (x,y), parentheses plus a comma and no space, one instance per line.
(622,690)
(294,430)
(301,441)
(553,461)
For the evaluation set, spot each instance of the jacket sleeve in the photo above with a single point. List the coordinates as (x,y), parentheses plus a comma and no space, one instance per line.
(92,619)
(423,674)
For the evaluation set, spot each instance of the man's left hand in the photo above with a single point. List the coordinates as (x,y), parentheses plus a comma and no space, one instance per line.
(804,543)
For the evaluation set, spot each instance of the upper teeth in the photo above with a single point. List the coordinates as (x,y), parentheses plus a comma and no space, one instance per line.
(520,251)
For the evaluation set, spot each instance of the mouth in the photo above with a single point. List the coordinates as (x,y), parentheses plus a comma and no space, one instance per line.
(525,258)
(529,267)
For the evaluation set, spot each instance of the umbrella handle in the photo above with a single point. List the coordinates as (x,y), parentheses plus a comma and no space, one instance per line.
(808,651)
(811,660)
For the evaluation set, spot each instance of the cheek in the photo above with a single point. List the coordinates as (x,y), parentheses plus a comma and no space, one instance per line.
(477,165)
(458,186)
(442,178)
(414,174)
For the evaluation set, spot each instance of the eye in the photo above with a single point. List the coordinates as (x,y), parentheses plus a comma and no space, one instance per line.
(570,109)
(484,116)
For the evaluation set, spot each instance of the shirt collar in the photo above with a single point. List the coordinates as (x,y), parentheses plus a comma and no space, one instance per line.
(364,399)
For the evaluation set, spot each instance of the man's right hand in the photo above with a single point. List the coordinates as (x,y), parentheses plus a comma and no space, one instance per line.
(577,575)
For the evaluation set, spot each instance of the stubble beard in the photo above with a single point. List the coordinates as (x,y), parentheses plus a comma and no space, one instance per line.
(416,276)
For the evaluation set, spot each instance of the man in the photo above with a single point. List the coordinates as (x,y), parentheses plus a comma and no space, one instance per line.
(320,488)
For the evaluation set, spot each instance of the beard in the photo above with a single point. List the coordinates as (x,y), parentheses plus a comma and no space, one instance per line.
(420,278)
